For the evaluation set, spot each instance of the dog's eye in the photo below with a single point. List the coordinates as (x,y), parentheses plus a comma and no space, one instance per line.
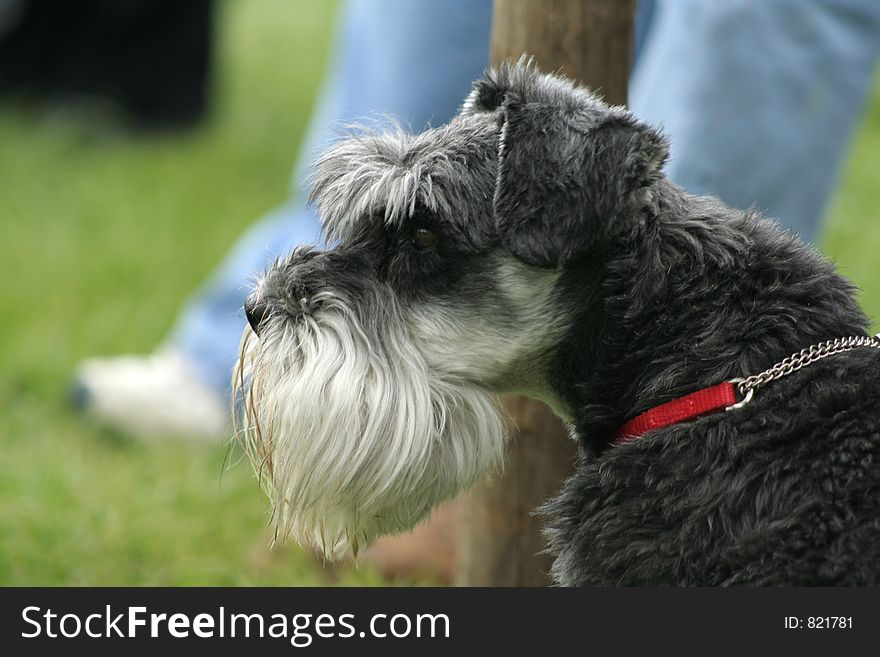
(422,238)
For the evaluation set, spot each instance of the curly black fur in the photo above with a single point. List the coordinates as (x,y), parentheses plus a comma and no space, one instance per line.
(633,293)
(783,491)
(675,293)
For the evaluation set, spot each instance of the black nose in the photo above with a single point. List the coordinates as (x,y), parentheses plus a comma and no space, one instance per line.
(256,311)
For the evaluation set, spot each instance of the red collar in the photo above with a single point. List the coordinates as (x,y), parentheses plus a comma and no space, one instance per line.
(702,402)
(723,396)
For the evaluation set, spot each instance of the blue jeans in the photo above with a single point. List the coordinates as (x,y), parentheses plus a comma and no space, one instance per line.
(757,96)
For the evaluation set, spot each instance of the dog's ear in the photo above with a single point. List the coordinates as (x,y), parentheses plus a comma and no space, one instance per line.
(567,180)
(569,166)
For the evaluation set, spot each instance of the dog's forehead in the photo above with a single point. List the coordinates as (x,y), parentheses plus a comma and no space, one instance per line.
(448,171)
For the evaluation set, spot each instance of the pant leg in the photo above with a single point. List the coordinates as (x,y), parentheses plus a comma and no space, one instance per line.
(402,58)
(642,26)
(759,97)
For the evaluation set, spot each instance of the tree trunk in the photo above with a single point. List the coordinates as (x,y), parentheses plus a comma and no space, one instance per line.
(500,541)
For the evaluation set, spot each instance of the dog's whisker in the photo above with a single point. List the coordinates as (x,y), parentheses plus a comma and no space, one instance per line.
(321,458)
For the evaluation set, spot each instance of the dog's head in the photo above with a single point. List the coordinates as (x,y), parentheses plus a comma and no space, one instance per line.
(369,381)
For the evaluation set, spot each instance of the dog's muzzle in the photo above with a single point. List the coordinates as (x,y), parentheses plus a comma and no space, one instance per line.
(290,289)
(352,430)
(256,310)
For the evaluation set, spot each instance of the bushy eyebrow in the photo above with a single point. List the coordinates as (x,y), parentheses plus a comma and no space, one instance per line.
(388,176)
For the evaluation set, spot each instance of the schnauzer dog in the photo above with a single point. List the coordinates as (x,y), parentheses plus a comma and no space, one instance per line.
(533,245)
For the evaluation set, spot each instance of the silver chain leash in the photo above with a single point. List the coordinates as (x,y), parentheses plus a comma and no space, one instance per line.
(746,387)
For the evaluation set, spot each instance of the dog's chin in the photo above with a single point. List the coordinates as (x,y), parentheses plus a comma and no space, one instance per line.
(352,438)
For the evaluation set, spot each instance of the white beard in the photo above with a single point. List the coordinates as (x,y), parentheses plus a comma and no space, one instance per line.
(354,438)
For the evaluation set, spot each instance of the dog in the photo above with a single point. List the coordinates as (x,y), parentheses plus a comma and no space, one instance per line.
(533,245)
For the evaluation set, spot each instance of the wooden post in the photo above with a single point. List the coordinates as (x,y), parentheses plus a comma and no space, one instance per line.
(499,540)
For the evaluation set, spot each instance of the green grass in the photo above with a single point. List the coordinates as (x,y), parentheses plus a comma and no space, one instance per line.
(852,228)
(102,236)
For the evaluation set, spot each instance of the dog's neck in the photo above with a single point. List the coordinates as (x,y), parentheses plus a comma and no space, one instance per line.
(701,294)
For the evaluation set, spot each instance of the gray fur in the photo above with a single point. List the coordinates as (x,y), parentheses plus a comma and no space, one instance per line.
(569,268)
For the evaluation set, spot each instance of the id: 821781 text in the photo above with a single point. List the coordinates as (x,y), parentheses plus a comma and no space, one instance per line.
(819,623)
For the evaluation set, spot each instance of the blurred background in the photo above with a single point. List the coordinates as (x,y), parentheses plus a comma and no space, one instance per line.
(107,224)
(105,231)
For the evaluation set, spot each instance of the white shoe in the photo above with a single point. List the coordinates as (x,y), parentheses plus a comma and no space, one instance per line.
(154,396)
